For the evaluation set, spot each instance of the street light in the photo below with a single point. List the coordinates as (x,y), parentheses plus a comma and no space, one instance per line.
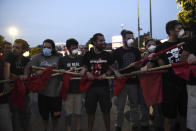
(138,24)
(13,32)
(150,19)
(122,25)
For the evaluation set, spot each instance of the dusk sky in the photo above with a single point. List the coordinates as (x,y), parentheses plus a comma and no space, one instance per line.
(37,20)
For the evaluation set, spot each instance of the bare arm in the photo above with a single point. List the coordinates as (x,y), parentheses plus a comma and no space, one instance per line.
(6,72)
(184,56)
(27,70)
(191,59)
(117,74)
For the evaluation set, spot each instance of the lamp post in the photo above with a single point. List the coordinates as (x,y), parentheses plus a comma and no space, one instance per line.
(122,26)
(150,19)
(13,32)
(138,24)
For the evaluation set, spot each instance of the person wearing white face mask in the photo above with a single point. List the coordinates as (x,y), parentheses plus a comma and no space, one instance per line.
(181,33)
(49,101)
(150,47)
(73,103)
(130,43)
(124,56)
(174,103)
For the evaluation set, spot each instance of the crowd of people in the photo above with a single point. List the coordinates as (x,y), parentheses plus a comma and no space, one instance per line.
(178,107)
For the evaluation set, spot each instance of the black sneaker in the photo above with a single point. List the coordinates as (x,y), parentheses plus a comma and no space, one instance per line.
(135,128)
(127,116)
(144,128)
(118,128)
(156,129)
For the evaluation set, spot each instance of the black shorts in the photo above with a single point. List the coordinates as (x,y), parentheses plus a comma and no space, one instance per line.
(174,101)
(49,105)
(95,95)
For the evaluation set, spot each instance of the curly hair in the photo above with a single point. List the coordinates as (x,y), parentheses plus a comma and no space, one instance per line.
(54,52)
(95,37)
(24,43)
(3,45)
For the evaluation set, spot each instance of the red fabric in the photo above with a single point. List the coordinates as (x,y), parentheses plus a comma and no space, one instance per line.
(85,83)
(37,83)
(182,70)
(65,86)
(118,85)
(18,95)
(151,84)
(2,57)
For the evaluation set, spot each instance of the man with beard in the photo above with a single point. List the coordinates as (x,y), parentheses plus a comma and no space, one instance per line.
(5,121)
(97,63)
(15,64)
(5,49)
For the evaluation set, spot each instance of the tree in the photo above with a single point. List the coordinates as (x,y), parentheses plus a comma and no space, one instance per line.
(2,40)
(88,43)
(187,15)
(143,38)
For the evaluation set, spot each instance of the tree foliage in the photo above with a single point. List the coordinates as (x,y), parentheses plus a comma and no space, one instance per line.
(143,38)
(187,14)
(2,40)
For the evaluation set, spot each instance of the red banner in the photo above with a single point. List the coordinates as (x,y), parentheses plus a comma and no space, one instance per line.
(37,83)
(65,86)
(151,84)
(18,94)
(118,85)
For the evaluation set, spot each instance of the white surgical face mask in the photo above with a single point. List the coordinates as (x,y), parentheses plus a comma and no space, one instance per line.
(75,52)
(151,48)
(181,33)
(130,43)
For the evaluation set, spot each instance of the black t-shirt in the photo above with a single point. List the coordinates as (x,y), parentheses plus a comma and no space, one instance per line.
(191,48)
(1,69)
(171,56)
(16,68)
(68,63)
(4,98)
(97,64)
(124,57)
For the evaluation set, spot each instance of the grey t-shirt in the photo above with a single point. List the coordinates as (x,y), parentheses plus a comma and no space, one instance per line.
(53,86)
